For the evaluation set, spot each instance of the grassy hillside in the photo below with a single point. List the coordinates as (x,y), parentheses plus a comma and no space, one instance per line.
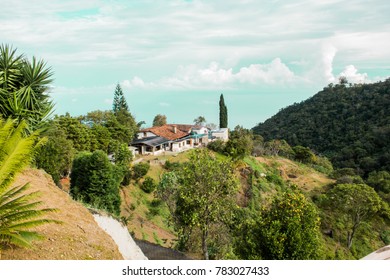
(260,178)
(78,238)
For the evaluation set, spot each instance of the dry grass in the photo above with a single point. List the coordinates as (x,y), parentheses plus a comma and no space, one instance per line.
(308,179)
(78,238)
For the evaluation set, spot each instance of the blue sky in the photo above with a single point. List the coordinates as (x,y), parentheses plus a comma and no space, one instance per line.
(176,57)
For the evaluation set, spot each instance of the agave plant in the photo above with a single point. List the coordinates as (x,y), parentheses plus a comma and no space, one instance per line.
(24,87)
(19,212)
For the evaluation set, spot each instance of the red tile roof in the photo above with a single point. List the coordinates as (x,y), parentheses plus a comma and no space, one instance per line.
(167,131)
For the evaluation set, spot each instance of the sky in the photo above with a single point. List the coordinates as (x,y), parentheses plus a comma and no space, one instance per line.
(176,57)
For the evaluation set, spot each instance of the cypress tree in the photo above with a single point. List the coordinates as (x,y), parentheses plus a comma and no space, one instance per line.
(223,115)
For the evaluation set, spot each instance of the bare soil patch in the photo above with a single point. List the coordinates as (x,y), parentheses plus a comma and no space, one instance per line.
(77,238)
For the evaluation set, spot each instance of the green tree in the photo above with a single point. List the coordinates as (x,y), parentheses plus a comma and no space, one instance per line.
(352,205)
(97,117)
(123,115)
(119,103)
(95,180)
(24,87)
(19,212)
(56,155)
(290,229)
(200,196)
(287,229)
(240,143)
(159,120)
(77,132)
(101,138)
(223,113)
(200,120)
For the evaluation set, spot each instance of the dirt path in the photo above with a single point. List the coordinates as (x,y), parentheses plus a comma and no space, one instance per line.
(121,236)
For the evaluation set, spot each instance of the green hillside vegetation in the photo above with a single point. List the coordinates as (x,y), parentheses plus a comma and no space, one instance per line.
(350,124)
(264,182)
(252,197)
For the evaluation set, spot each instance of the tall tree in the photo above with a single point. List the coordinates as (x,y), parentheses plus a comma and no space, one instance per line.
(159,120)
(119,103)
(200,196)
(223,114)
(24,87)
(122,114)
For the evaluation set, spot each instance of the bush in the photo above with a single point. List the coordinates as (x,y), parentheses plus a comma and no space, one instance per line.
(217,146)
(140,170)
(56,156)
(94,180)
(148,185)
(171,166)
(304,155)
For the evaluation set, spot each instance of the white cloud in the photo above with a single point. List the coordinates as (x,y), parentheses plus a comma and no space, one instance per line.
(135,82)
(216,77)
(271,73)
(164,104)
(352,75)
(328,54)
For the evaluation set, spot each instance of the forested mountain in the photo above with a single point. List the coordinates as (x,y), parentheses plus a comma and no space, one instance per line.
(348,123)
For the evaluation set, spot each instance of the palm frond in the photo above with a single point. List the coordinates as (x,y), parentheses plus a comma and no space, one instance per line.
(19,211)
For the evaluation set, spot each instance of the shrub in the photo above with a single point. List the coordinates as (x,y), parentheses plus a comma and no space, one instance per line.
(171,166)
(304,155)
(94,180)
(148,185)
(217,146)
(140,170)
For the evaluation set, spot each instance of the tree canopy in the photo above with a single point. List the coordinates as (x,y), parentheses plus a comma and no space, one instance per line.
(353,204)
(200,196)
(159,120)
(351,125)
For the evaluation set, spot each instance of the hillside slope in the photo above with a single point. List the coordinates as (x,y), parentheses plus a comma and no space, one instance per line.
(78,238)
(351,124)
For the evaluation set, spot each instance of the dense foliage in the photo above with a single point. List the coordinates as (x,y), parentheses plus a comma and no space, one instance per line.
(159,120)
(200,197)
(223,113)
(352,205)
(56,155)
(351,124)
(24,87)
(95,180)
(288,229)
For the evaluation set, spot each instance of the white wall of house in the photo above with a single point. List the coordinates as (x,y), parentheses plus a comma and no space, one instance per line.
(141,135)
(222,133)
(182,145)
(202,130)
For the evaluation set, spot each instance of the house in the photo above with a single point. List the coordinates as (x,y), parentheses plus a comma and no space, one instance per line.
(172,137)
(158,139)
